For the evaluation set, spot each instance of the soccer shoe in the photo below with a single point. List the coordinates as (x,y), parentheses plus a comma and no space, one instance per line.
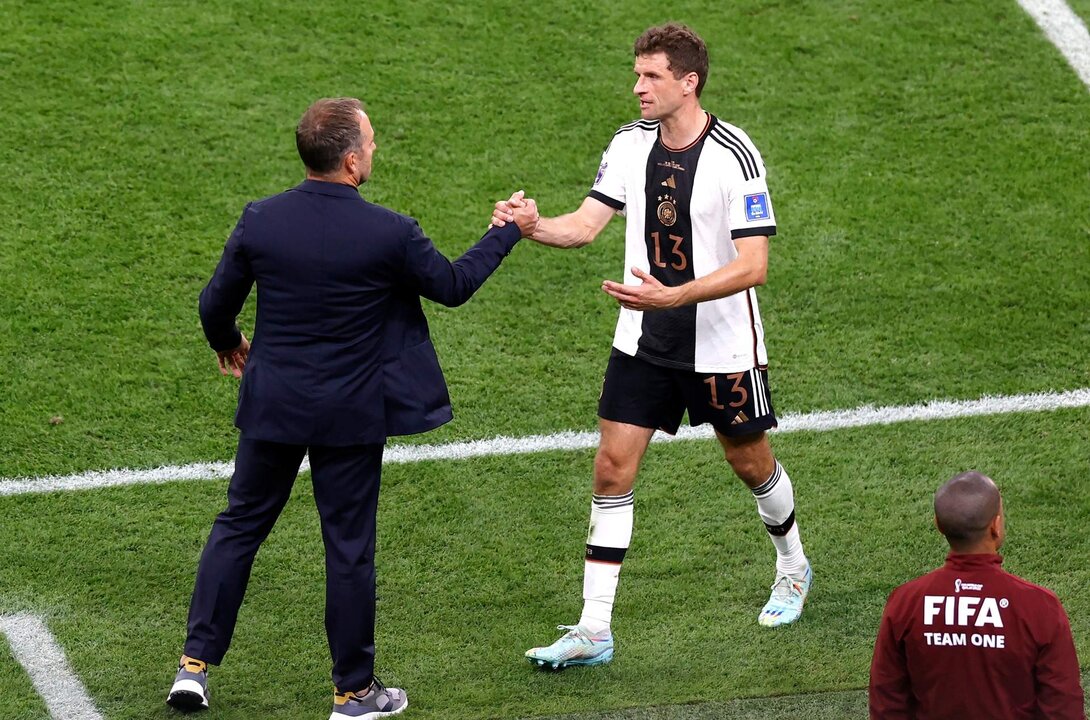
(784,605)
(190,689)
(378,701)
(575,647)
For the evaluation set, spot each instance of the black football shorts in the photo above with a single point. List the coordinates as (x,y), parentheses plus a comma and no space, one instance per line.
(640,393)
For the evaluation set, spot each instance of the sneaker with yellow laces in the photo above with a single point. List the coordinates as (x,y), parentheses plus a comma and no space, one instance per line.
(190,689)
(377,701)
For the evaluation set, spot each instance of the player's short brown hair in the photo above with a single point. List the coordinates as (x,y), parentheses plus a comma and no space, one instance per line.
(328,130)
(684,49)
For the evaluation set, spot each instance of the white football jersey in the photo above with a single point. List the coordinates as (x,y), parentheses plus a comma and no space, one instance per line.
(683,209)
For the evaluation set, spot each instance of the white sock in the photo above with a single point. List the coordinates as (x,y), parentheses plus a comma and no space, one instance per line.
(776,506)
(607,542)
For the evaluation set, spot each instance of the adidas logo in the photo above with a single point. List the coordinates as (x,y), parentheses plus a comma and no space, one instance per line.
(739,419)
(669,182)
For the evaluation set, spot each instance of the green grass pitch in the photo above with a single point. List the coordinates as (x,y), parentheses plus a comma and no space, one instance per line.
(928,162)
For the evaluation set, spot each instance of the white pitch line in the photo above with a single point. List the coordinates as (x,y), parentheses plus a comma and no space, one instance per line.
(1065,30)
(43,659)
(571,440)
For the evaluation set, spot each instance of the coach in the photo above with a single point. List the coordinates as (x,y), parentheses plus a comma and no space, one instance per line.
(970,640)
(341,359)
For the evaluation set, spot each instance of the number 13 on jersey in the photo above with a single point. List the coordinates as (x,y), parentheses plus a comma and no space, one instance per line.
(680,262)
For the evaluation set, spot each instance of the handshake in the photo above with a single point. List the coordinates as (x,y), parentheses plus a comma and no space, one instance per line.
(517,209)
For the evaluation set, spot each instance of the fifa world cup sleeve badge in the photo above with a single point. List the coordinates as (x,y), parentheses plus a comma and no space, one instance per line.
(601,172)
(756,207)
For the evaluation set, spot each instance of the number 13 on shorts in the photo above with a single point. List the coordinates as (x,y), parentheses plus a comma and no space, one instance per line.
(738,402)
(736,389)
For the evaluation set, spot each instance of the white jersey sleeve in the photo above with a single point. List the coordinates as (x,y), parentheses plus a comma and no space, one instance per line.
(749,204)
(608,185)
(621,170)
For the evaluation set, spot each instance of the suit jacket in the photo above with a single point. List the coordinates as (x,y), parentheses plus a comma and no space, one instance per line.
(341,353)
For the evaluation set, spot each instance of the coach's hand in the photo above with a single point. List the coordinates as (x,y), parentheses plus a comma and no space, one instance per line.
(234,360)
(650,295)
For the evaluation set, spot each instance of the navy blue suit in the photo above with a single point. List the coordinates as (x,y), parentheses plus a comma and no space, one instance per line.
(341,358)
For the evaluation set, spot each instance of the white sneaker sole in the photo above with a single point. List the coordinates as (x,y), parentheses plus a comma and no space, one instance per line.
(187,695)
(369,716)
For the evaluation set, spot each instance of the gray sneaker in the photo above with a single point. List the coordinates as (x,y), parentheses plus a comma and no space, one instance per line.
(190,689)
(378,701)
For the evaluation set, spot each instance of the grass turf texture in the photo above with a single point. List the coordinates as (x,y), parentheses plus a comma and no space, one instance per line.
(928,165)
(471,577)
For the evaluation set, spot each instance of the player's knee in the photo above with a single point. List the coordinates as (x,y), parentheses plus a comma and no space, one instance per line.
(612,475)
(748,468)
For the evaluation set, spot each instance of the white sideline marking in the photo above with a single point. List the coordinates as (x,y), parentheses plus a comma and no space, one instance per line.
(1065,30)
(570,440)
(37,651)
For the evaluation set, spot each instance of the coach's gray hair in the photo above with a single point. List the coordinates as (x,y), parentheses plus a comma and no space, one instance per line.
(329,130)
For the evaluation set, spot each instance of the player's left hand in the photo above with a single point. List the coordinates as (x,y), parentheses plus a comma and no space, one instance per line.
(650,295)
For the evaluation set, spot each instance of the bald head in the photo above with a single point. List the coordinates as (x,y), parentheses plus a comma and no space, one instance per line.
(965,508)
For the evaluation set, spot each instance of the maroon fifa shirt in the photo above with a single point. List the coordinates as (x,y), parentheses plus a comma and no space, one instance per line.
(970,640)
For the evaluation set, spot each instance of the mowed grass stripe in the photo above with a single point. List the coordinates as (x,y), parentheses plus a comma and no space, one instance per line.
(571,440)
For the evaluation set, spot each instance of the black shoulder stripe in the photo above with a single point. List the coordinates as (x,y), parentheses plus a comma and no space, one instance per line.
(638,125)
(734,151)
(730,137)
(745,157)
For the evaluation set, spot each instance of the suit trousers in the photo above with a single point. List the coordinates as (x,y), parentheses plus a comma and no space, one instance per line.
(346,488)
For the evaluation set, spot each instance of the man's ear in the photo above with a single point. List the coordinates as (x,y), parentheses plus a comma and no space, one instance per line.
(692,80)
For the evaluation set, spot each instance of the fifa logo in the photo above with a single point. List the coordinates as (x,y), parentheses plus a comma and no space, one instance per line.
(963,610)
(959,586)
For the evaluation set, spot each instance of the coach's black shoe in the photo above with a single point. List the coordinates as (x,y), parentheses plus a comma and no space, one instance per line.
(190,689)
(378,701)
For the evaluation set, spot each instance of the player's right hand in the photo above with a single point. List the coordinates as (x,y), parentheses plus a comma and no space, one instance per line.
(526,216)
(504,211)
